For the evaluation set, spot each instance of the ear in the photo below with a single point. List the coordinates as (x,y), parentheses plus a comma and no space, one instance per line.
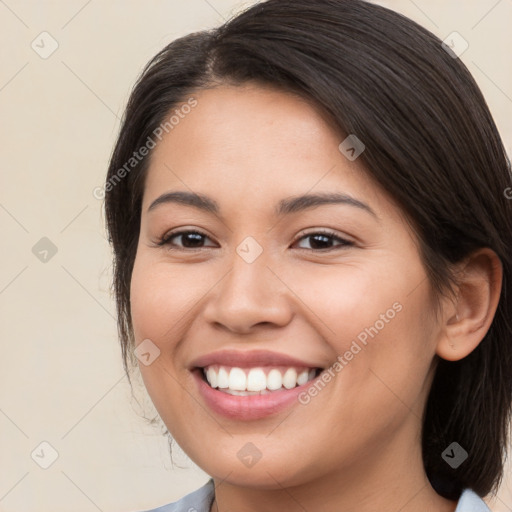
(467,320)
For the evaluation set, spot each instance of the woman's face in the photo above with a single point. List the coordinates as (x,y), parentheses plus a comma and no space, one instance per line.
(263,287)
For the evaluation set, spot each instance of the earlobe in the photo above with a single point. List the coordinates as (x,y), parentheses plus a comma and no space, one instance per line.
(467,320)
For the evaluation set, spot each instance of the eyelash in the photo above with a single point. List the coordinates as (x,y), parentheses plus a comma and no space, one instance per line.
(166,240)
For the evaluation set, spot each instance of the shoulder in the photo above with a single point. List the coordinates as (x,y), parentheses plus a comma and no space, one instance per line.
(470,502)
(198,501)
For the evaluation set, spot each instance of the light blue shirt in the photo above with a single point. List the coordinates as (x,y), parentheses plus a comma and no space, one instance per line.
(201,500)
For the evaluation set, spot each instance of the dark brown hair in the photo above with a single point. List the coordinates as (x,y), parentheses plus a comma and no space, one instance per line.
(431,143)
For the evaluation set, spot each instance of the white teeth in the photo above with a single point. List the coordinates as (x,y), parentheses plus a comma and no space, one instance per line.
(255,381)
(290,378)
(302,378)
(211,375)
(274,380)
(222,379)
(246,393)
(237,380)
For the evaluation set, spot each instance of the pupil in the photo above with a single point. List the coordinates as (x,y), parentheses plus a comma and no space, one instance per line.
(196,238)
(325,241)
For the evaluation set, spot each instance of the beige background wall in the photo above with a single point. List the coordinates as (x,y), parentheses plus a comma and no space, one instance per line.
(61,379)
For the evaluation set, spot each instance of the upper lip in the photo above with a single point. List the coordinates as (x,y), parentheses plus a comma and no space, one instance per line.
(249,359)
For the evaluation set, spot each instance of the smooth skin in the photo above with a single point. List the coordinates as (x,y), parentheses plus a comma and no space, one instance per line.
(356,445)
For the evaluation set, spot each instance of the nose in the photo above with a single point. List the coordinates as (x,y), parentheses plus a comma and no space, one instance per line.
(249,296)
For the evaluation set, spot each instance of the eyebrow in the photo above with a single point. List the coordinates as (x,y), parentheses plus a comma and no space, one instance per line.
(284,207)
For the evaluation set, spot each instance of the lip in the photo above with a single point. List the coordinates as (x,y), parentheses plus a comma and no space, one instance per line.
(250,359)
(247,408)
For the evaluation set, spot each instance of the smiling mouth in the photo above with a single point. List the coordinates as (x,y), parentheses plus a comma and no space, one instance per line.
(258,380)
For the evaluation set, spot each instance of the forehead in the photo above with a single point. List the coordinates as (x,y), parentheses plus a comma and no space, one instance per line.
(257,144)
(231,121)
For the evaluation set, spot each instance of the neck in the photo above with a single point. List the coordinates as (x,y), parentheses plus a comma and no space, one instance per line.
(423,498)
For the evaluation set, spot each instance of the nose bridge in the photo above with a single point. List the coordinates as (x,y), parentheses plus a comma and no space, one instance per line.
(248,282)
(249,268)
(250,293)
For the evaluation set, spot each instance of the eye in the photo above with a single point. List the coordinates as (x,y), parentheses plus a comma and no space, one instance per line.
(190,239)
(322,241)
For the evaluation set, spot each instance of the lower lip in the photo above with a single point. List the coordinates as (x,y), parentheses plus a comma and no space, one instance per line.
(252,407)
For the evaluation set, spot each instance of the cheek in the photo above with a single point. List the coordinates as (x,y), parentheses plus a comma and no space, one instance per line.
(370,318)
(390,371)
(161,296)
(350,302)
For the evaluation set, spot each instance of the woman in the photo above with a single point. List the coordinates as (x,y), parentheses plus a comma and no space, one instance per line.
(312,234)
